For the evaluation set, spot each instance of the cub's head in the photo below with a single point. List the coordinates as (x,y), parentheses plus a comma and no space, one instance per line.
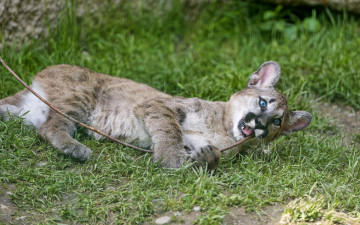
(261,111)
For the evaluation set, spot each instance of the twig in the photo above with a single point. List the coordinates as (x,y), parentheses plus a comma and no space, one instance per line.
(89,127)
(236,143)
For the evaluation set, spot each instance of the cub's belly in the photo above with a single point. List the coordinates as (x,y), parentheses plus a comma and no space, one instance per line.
(33,109)
(126,127)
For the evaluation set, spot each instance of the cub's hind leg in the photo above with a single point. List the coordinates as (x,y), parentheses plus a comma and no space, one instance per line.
(59,131)
(7,111)
(26,105)
(9,106)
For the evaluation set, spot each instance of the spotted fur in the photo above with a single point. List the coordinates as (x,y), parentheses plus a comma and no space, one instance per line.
(178,130)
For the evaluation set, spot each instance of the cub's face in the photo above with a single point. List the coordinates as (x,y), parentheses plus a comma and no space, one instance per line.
(260,111)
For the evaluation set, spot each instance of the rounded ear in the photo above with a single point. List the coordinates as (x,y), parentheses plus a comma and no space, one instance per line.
(298,120)
(266,76)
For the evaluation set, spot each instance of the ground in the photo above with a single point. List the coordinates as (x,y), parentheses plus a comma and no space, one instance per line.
(238,216)
(346,118)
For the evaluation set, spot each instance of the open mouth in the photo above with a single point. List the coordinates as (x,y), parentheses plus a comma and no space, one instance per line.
(245,129)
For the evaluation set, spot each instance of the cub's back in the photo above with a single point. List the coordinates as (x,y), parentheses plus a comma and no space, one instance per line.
(65,83)
(80,92)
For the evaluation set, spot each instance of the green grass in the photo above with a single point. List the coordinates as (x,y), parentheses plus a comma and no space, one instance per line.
(207,51)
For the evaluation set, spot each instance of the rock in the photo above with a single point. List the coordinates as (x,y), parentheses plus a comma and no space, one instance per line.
(163,220)
(24,20)
(196,209)
(4,207)
(42,164)
(21,218)
(27,19)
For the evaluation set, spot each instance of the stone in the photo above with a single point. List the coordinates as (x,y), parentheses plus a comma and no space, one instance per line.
(4,207)
(163,220)
(21,218)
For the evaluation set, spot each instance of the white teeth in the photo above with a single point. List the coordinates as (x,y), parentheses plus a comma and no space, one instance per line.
(258,132)
(251,123)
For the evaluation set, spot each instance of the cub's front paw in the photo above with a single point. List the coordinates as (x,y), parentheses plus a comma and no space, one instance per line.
(170,159)
(206,156)
(77,151)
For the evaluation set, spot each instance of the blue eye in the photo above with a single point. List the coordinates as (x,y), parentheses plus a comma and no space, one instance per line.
(277,121)
(262,103)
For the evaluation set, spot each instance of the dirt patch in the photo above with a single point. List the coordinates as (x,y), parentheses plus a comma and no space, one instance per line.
(6,207)
(11,214)
(237,216)
(268,215)
(178,217)
(344,117)
(8,211)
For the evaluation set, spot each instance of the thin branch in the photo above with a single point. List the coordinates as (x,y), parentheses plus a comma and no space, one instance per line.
(236,143)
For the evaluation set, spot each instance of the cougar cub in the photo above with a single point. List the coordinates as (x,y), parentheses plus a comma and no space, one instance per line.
(178,130)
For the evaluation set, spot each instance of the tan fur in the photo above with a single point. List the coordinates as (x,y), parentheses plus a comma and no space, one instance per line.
(178,130)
